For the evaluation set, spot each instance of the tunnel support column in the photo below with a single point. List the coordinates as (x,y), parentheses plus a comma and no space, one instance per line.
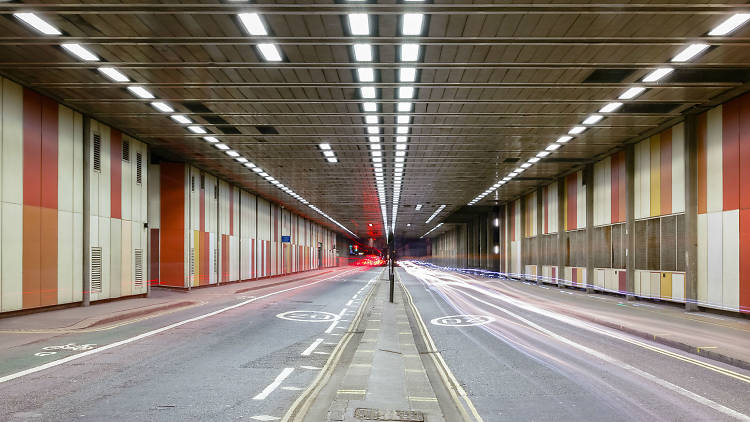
(560,230)
(588,178)
(524,240)
(630,221)
(86,270)
(539,226)
(691,214)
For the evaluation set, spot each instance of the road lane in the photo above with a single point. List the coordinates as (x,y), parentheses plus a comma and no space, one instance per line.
(210,367)
(532,363)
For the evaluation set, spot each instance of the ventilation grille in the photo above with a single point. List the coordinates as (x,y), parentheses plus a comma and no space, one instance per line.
(97,152)
(203,182)
(192,264)
(138,168)
(126,151)
(192,183)
(96,270)
(139,268)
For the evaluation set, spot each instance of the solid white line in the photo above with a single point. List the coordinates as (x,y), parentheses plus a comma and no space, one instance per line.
(312,347)
(274,385)
(151,333)
(349,303)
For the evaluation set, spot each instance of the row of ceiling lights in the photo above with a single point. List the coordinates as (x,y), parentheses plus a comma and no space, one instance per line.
(359,25)
(686,54)
(252,23)
(412,24)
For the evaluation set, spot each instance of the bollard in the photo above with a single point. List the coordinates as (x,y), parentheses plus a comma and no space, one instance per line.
(390,278)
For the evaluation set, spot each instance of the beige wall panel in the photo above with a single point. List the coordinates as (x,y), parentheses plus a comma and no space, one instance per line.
(678,168)
(66,246)
(714,265)
(115,257)
(12,143)
(731,259)
(65,159)
(702,263)
(714,160)
(11,244)
(79,139)
(678,286)
(154,196)
(126,259)
(77,257)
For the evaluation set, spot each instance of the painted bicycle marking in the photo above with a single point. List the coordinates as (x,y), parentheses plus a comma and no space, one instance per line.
(462,320)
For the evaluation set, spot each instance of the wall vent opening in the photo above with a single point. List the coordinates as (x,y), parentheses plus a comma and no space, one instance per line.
(126,151)
(139,268)
(96,270)
(97,150)
(138,168)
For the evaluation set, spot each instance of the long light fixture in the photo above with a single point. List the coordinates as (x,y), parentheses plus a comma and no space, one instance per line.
(80,51)
(141,92)
(730,24)
(657,74)
(689,52)
(113,74)
(37,23)
(434,214)
(431,230)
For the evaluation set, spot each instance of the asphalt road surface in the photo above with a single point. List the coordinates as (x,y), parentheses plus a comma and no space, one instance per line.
(518,361)
(232,359)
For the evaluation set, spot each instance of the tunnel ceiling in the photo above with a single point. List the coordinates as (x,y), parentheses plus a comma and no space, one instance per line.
(496,84)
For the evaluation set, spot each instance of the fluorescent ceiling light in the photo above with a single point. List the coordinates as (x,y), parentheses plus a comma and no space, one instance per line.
(367,92)
(325,146)
(253,24)
(730,24)
(140,92)
(543,154)
(263,174)
(249,165)
(377,160)
(577,130)
(38,23)
(373,130)
(179,118)
(689,52)
(657,74)
(524,165)
(375,146)
(402,130)
(407,74)
(399,159)
(412,24)
(197,129)
(400,147)
(610,107)
(370,106)
(269,52)
(376,153)
(402,120)
(211,139)
(632,93)
(233,153)
(328,153)
(241,159)
(511,174)
(222,147)
(552,147)
(594,118)
(366,74)
(257,170)
(371,120)
(564,139)
(363,52)
(406,92)
(404,107)
(163,107)
(374,139)
(80,52)
(359,23)
(113,74)
(409,52)
(401,139)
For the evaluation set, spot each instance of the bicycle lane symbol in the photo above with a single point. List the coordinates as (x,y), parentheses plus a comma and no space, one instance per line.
(52,350)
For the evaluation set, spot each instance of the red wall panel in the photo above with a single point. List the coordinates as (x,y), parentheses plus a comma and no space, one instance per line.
(49,147)
(701,133)
(730,147)
(745,260)
(115,172)
(744,152)
(571,182)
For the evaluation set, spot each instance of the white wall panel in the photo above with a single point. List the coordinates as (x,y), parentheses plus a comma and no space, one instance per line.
(702,264)
(115,257)
(12,143)
(715,264)
(731,259)
(678,287)
(12,257)
(66,247)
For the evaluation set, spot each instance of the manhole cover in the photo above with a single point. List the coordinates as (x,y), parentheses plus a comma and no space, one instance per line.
(388,415)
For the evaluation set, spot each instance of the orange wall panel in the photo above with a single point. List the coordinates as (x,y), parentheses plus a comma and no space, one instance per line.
(32,259)
(730,147)
(115,171)
(172,231)
(701,133)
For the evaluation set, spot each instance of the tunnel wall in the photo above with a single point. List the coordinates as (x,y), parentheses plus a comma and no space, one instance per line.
(552,240)
(46,259)
(212,232)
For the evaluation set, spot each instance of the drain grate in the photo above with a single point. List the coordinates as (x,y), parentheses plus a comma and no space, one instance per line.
(388,415)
